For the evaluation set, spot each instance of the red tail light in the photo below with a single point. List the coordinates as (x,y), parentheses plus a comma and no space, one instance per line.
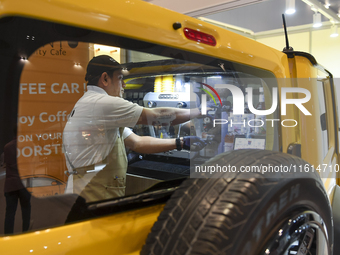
(199,36)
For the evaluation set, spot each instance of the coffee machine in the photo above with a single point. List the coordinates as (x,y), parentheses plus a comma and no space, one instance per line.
(182,100)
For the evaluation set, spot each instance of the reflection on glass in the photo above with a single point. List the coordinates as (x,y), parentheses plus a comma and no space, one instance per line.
(63,138)
(15,191)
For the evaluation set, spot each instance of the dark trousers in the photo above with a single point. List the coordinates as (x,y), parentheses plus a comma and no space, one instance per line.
(11,207)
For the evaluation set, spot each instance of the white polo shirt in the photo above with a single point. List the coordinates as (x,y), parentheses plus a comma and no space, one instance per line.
(93,126)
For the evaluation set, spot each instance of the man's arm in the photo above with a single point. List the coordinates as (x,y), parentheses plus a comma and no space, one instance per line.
(148,144)
(167,115)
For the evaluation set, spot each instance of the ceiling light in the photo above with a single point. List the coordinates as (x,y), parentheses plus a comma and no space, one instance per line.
(334,31)
(290,6)
(317,20)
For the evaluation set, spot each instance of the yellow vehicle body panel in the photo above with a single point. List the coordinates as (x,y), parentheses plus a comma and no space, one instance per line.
(136,19)
(123,233)
(309,135)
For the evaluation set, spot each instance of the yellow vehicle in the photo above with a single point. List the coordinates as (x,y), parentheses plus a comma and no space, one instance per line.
(266,183)
(43,186)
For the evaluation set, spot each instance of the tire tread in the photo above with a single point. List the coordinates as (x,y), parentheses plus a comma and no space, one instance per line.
(225,208)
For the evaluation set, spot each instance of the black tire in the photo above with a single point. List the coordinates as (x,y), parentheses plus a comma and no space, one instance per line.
(245,215)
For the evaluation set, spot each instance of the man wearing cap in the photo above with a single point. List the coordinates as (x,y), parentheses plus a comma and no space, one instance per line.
(95,135)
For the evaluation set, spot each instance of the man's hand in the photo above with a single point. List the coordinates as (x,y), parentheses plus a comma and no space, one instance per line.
(193,143)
